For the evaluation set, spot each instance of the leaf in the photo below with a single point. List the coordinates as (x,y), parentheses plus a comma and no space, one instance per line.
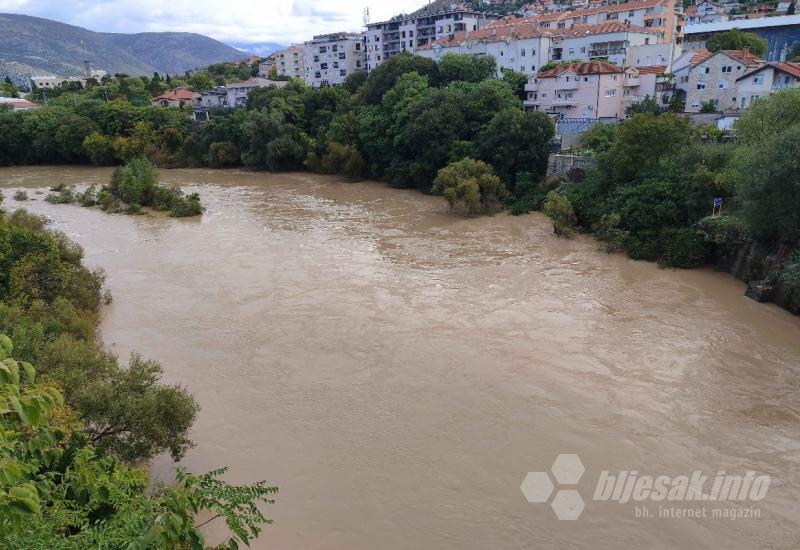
(6,345)
(30,372)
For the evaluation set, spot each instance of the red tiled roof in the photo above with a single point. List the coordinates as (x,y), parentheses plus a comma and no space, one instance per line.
(700,54)
(177,95)
(590,67)
(605,27)
(792,69)
(18,103)
(743,56)
(652,69)
(691,10)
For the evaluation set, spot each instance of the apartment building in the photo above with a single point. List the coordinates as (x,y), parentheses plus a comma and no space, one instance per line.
(665,17)
(291,62)
(714,79)
(330,58)
(524,47)
(766,79)
(408,33)
(590,90)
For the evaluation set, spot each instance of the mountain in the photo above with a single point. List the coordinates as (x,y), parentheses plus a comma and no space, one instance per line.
(261,48)
(32,45)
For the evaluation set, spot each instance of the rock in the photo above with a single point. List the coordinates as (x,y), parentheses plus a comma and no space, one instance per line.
(761,291)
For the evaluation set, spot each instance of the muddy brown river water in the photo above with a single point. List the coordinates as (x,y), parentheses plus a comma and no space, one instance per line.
(397,370)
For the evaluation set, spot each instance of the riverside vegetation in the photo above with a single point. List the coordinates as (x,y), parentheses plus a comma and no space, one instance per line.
(455,129)
(71,428)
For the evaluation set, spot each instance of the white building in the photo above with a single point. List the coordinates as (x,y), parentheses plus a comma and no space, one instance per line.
(769,78)
(331,58)
(408,33)
(291,62)
(523,47)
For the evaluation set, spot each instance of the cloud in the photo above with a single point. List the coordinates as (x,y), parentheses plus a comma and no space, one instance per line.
(238,21)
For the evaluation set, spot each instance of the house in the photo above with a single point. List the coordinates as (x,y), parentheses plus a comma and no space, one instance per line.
(681,66)
(766,79)
(714,79)
(706,11)
(330,58)
(590,90)
(236,92)
(266,66)
(16,104)
(179,97)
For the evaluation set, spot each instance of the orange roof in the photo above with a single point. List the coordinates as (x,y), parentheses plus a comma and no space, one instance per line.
(700,54)
(605,27)
(792,69)
(177,94)
(743,56)
(589,67)
(652,69)
(691,10)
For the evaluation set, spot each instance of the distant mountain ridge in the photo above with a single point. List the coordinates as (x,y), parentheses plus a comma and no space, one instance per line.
(33,45)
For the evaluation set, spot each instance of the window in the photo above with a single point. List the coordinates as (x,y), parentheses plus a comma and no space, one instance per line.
(572,51)
(342,55)
(343,73)
(522,52)
(695,104)
(323,66)
(335,48)
(358,46)
(726,68)
(317,74)
(544,95)
(583,49)
(522,69)
(611,93)
(723,84)
(701,85)
(323,49)
(706,70)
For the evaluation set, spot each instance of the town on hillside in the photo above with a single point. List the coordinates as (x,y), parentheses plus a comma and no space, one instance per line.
(586,61)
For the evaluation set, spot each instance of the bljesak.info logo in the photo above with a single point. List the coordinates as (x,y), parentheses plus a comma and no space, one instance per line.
(697,495)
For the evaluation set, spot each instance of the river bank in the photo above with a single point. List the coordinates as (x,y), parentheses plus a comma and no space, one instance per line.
(397,369)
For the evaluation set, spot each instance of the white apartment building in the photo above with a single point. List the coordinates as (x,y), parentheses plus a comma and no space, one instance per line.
(291,61)
(525,48)
(408,33)
(330,58)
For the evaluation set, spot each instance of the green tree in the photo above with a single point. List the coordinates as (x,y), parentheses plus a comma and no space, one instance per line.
(466,68)
(516,80)
(736,39)
(99,149)
(385,75)
(470,183)
(646,105)
(769,116)
(559,209)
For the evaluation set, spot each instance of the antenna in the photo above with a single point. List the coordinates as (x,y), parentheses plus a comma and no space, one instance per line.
(366,16)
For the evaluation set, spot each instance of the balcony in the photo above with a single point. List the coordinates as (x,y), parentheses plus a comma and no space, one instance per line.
(562,101)
(570,85)
(532,87)
(607,52)
(632,82)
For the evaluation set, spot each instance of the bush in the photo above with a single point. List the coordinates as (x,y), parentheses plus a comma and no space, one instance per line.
(99,149)
(789,279)
(559,209)
(683,247)
(88,197)
(222,154)
(65,195)
(471,183)
(528,195)
(21,196)
(344,160)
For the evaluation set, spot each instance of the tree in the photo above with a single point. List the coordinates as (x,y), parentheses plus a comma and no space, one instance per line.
(99,149)
(515,142)
(646,105)
(735,39)
(58,491)
(202,80)
(466,68)
(599,137)
(768,184)
(769,116)
(470,183)
(516,80)
(559,209)
(385,75)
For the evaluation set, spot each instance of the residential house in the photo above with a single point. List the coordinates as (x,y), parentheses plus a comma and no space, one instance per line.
(590,90)
(407,33)
(766,79)
(266,66)
(331,58)
(681,66)
(705,11)
(179,97)
(714,79)
(236,92)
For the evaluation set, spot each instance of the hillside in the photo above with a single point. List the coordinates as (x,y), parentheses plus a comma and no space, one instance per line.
(32,45)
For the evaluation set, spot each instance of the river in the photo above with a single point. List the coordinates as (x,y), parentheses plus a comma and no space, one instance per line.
(397,369)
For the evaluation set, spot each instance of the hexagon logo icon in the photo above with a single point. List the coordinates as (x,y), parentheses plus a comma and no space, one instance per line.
(568,505)
(568,469)
(537,487)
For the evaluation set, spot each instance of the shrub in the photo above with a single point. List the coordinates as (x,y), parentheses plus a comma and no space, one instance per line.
(471,183)
(88,197)
(221,154)
(559,209)
(789,279)
(683,247)
(65,195)
(344,160)
(21,196)
(99,149)
(528,195)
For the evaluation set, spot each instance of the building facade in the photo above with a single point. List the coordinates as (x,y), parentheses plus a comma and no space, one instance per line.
(291,62)
(329,59)
(408,33)
(714,80)
(593,90)
(765,80)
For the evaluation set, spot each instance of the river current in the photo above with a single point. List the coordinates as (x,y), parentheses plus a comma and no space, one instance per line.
(397,369)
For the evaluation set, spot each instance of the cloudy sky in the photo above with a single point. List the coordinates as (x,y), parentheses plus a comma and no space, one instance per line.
(232,21)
